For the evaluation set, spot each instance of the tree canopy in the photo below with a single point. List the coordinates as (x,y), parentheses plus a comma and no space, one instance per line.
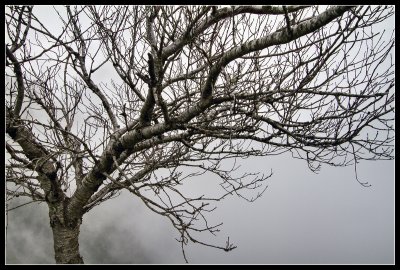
(142,98)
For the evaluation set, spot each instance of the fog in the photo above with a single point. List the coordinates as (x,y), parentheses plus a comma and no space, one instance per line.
(302,218)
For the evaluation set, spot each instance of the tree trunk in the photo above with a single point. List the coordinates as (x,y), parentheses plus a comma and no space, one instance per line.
(65,236)
(66,245)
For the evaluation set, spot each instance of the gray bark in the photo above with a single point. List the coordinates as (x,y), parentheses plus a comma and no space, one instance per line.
(65,235)
(66,245)
(212,111)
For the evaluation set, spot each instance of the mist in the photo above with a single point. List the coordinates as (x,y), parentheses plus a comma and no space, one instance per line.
(302,218)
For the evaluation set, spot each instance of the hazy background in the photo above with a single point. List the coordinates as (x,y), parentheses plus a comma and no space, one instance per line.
(302,218)
(326,218)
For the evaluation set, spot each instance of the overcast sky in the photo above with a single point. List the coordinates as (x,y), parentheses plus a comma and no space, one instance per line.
(302,218)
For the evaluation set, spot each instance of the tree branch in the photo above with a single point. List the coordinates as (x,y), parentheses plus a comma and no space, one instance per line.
(20,82)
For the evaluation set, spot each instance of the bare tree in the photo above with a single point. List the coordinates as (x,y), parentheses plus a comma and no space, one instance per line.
(186,90)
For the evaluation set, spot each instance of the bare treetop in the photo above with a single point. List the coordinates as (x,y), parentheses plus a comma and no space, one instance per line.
(140,98)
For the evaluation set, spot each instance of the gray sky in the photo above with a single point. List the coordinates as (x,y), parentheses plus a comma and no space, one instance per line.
(302,218)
